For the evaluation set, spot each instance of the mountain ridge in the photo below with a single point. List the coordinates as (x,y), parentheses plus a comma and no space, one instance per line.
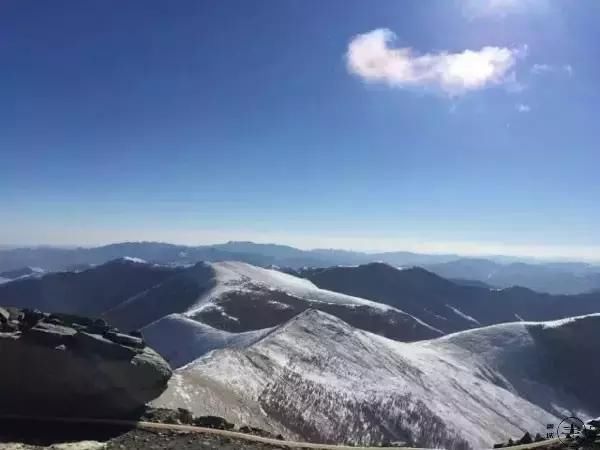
(320,378)
(447,305)
(500,272)
(234,297)
(238,297)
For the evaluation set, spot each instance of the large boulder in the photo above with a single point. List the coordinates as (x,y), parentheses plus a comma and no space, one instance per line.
(52,366)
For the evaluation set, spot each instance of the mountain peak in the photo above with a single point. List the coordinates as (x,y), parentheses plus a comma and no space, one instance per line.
(377,265)
(312,316)
(313,322)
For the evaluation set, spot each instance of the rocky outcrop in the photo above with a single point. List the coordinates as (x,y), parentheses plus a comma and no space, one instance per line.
(182,416)
(64,365)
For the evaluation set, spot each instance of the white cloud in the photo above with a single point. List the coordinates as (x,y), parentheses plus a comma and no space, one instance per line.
(523,108)
(371,56)
(539,69)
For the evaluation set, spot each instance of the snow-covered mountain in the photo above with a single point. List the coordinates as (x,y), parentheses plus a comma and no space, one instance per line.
(273,350)
(229,297)
(238,297)
(319,378)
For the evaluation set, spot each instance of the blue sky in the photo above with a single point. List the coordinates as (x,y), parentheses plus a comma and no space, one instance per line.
(467,126)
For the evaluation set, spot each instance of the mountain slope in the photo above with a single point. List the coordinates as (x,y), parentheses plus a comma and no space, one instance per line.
(238,297)
(181,340)
(90,292)
(20,274)
(322,379)
(446,305)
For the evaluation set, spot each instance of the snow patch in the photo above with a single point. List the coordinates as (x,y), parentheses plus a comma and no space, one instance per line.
(437,316)
(463,315)
(134,260)
(279,305)
(561,322)
(221,310)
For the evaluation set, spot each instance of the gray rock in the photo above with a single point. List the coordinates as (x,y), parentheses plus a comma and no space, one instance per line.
(50,369)
(185,416)
(213,422)
(31,317)
(48,334)
(124,339)
(4,315)
(11,326)
(94,343)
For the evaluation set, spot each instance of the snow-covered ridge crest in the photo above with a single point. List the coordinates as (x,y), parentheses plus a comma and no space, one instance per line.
(561,322)
(521,324)
(239,276)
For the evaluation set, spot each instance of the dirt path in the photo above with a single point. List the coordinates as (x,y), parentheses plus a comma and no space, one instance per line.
(237,436)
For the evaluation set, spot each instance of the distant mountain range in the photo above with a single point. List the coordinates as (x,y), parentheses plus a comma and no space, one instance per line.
(500,272)
(554,278)
(54,259)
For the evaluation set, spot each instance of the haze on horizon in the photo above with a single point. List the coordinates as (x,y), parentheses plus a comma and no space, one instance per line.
(365,245)
(343,126)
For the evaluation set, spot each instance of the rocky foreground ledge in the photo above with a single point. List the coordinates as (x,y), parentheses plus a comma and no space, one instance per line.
(16,434)
(63,365)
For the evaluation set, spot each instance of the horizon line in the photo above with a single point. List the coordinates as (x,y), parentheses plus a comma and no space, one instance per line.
(457,254)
